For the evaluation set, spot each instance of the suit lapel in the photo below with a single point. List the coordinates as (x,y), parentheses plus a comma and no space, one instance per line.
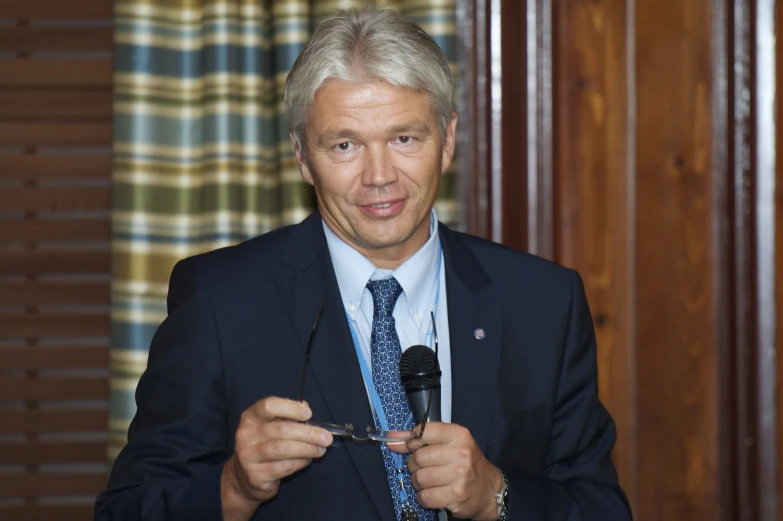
(474,307)
(304,277)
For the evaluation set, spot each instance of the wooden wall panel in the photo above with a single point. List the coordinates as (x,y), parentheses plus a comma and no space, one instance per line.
(47,513)
(676,361)
(43,453)
(53,293)
(30,39)
(33,422)
(43,230)
(56,73)
(593,153)
(41,358)
(54,484)
(55,9)
(55,167)
(55,134)
(667,200)
(56,104)
(54,199)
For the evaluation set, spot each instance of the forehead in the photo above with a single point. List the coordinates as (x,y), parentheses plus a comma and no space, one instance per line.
(369,103)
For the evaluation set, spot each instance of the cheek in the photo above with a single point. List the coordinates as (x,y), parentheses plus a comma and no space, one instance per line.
(335,184)
(421,171)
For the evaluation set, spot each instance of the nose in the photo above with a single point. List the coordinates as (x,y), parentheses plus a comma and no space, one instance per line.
(379,170)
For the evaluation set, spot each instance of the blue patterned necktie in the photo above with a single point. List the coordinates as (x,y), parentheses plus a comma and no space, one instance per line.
(386,351)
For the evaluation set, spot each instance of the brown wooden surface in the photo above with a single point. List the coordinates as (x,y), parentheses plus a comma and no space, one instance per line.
(55,166)
(54,421)
(52,453)
(474,134)
(53,293)
(31,39)
(54,325)
(47,513)
(56,72)
(54,198)
(54,9)
(39,358)
(63,102)
(55,389)
(54,484)
(54,230)
(660,204)
(53,104)
(514,134)
(55,134)
(676,363)
(39,262)
(592,151)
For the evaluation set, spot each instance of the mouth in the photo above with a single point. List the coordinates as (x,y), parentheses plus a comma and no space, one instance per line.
(383,210)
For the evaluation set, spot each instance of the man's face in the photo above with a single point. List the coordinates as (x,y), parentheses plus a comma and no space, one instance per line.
(375,156)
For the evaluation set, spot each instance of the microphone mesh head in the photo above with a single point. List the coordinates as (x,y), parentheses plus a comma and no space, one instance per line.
(419,360)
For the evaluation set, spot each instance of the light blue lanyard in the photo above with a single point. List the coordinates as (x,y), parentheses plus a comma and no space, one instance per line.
(367,373)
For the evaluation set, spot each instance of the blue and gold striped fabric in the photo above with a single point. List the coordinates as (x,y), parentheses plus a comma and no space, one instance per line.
(202,156)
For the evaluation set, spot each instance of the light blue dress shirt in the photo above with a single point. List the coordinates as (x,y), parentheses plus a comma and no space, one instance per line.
(418,277)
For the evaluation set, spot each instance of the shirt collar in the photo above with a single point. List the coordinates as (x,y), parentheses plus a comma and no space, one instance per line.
(417,275)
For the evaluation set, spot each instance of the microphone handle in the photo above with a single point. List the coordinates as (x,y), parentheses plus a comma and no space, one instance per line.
(418,400)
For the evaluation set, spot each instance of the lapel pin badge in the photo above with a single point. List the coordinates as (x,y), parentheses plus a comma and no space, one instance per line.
(479,334)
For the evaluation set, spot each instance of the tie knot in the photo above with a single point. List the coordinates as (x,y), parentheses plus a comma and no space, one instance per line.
(384,295)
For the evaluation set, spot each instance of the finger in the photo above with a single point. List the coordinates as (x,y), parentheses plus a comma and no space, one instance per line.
(434,456)
(435,498)
(276,470)
(280,450)
(434,434)
(439,433)
(399,447)
(273,408)
(289,430)
(432,477)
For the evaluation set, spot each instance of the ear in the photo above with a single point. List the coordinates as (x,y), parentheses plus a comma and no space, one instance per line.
(303,169)
(450,143)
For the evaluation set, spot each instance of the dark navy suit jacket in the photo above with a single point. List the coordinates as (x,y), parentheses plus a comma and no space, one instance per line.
(236,331)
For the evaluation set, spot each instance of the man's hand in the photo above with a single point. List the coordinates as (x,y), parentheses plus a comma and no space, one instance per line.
(449,471)
(271,444)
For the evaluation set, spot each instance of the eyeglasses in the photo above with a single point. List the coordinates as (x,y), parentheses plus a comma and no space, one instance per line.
(371,433)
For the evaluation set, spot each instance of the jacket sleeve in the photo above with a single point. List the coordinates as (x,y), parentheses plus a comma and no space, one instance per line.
(579,481)
(178,439)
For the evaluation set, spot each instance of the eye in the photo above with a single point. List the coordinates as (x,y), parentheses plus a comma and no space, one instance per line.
(405,140)
(344,147)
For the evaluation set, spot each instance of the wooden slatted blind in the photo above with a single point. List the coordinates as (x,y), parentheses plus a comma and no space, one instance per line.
(55,164)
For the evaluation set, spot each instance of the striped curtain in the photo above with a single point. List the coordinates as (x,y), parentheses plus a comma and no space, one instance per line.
(202,157)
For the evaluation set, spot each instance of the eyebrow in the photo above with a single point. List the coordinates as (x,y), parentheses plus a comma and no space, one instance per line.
(335,134)
(418,127)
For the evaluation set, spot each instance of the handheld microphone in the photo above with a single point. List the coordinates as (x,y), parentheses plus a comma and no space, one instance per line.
(420,374)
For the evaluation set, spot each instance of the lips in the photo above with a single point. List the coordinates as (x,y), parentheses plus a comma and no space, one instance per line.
(383,209)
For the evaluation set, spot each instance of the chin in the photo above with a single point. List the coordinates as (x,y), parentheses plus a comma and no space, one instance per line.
(375,242)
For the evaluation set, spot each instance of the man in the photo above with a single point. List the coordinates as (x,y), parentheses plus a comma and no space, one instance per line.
(220,432)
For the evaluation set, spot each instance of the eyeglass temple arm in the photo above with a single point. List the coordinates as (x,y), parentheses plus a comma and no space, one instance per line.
(307,351)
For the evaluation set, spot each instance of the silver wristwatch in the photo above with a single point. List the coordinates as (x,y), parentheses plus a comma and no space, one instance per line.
(502,499)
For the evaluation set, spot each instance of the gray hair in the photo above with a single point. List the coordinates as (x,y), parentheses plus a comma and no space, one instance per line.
(373,43)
